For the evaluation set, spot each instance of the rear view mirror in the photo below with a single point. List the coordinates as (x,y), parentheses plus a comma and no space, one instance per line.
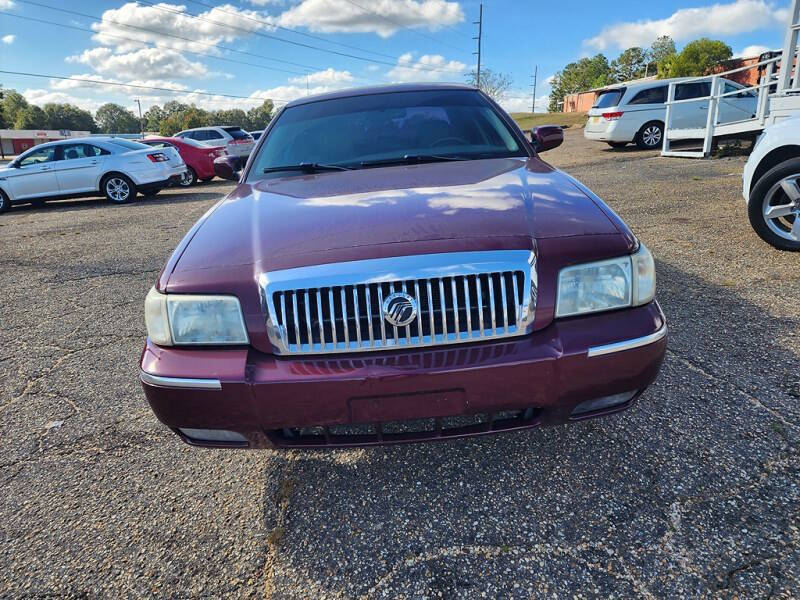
(547,137)
(228,167)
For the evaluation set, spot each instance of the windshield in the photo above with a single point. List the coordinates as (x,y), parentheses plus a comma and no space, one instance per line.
(127,144)
(383,127)
(608,99)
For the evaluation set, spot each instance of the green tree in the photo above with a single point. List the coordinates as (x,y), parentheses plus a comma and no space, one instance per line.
(232,116)
(67,116)
(12,104)
(697,58)
(153,117)
(30,117)
(174,107)
(662,48)
(113,118)
(585,74)
(492,83)
(629,65)
(259,117)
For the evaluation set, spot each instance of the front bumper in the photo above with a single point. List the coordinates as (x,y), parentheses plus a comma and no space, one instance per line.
(518,383)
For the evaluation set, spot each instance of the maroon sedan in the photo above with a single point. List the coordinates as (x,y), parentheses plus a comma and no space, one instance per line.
(398,264)
(198,158)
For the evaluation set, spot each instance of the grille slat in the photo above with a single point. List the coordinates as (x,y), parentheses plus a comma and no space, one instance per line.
(346,315)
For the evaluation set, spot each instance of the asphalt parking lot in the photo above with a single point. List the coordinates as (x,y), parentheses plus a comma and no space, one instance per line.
(694,492)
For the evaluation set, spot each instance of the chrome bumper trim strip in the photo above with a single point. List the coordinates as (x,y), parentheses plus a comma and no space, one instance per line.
(628,344)
(180,382)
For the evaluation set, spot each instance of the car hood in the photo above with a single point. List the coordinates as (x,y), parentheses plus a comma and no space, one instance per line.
(369,213)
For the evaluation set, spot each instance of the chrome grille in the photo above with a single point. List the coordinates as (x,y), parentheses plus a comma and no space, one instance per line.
(460,297)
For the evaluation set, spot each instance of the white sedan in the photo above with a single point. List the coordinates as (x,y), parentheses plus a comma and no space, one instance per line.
(115,167)
(771,185)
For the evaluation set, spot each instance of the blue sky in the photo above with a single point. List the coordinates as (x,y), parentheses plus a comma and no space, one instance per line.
(401,40)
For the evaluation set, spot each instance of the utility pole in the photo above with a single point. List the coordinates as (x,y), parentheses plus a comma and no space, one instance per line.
(479,23)
(533,100)
(141,123)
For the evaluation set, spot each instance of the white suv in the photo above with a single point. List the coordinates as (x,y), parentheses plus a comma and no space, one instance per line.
(115,167)
(636,112)
(236,140)
(771,185)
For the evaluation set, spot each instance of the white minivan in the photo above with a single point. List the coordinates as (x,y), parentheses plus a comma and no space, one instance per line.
(636,112)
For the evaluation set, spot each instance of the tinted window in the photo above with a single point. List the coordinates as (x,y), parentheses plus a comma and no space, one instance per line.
(159,144)
(212,134)
(384,127)
(696,89)
(609,98)
(41,155)
(656,95)
(237,133)
(73,151)
(256,134)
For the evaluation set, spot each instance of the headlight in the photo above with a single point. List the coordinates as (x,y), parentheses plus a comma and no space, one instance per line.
(175,319)
(606,284)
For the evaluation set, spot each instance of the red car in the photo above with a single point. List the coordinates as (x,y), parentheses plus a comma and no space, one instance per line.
(198,158)
(398,264)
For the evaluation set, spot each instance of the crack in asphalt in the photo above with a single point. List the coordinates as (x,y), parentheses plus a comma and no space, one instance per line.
(691,364)
(492,551)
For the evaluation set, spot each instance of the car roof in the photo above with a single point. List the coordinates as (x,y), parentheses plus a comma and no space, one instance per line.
(208,127)
(379,89)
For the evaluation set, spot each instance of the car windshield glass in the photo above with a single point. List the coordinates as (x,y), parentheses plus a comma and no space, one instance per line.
(237,133)
(382,127)
(190,142)
(128,144)
(608,99)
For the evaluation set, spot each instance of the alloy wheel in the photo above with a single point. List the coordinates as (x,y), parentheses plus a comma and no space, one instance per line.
(118,189)
(187,179)
(652,136)
(781,208)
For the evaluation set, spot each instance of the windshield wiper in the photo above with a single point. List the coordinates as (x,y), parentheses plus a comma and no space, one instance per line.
(306,168)
(410,159)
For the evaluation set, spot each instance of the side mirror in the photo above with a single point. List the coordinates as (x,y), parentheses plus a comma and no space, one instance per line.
(228,167)
(547,137)
(14,164)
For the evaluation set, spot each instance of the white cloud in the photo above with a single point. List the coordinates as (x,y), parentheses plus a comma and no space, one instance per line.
(6,4)
(731,18)
(151,24)
(751,51)
(429,67)
(74,83)
(8,39)
(383,17)
(329,76)
(41,97)
(156,63)
(522,104)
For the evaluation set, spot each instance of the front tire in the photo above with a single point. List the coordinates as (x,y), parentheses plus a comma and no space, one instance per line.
(774,207)
(118,189)
(189,178)
(650,136)
(5,202)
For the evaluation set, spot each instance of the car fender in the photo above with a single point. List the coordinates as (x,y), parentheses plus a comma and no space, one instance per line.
(779,142)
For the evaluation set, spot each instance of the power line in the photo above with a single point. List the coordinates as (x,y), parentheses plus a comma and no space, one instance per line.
(140,87)
(151,44)
(171,35)
(285,41)
(401,26)
(289,29)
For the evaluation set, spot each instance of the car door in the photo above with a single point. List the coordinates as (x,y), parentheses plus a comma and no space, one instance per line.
(740,107)
(33,175)
(79,168)
(691,115)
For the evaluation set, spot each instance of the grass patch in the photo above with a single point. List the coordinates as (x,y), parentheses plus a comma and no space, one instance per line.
(528,120)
